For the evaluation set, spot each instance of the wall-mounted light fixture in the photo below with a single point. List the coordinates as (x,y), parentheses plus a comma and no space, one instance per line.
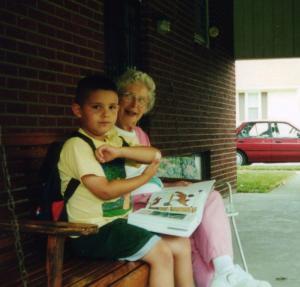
(213,32)
(163,26)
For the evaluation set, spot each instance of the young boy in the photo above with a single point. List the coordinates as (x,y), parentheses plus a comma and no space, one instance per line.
(101,196)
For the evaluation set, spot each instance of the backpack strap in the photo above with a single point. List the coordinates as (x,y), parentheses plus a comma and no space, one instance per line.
(124,143)
(85,138)
(74,183)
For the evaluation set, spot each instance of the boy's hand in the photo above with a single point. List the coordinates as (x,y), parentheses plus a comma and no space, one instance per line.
(106,153)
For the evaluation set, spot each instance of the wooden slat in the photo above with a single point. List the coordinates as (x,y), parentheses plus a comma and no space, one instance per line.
(50,227)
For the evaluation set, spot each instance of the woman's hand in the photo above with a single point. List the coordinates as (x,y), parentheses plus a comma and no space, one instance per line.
(152,168)
(106,153)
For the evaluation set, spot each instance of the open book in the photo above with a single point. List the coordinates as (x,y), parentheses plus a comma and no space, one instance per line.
(174,210)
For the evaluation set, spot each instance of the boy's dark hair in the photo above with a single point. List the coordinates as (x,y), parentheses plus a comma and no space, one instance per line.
(92,83)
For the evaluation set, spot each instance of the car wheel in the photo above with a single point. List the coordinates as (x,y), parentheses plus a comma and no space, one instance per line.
(241,158)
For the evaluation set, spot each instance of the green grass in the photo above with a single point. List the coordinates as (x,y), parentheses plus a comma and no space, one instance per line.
(261,180)
(267,167)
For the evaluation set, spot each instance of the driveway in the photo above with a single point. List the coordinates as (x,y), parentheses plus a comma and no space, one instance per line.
(269,227)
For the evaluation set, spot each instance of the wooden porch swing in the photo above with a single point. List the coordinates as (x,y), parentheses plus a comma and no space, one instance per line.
(23,241)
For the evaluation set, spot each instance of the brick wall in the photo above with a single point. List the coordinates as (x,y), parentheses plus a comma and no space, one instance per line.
(47,45)
(196,86)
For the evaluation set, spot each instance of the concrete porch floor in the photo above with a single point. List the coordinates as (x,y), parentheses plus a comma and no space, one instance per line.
(269,227)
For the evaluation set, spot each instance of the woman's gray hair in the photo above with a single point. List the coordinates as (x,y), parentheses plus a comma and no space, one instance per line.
(132,76)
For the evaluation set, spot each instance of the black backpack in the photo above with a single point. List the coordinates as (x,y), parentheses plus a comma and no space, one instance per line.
(52,205)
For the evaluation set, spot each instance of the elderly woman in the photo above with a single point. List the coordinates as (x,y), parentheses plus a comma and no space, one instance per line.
(211,242)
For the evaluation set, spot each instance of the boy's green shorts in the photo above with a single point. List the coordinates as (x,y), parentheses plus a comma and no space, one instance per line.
(116,240)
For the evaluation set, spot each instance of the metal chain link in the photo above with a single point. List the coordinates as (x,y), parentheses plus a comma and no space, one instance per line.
(11,204)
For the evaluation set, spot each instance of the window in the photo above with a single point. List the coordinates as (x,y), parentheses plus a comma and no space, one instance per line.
(260,130)
(252,106)
(283,130)
(241,104)
(201,22)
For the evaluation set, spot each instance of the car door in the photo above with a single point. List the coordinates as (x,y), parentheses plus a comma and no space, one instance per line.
(255,140)
(286,143)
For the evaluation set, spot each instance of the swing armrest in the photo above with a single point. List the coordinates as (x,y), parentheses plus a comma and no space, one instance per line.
(50,227)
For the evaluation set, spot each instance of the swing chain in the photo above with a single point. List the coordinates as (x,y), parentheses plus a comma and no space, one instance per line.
(14,221)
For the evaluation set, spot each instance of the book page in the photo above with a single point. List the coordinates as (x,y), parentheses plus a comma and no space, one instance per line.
(180,199)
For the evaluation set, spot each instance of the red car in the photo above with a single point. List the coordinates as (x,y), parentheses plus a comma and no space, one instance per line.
(267,141)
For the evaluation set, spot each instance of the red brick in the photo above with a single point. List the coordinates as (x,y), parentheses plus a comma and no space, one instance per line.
(47,30)
(54,43)
(65,100)
(16,108)
(46,6)
(37,63)
(27,73)
(16,33)
(28,96)
(72,6)
(63,13)
(60,111)
(86,53)
(27,23)
(80,61)
(78,40)
(47,121)
(54,66)
(7,120)
(52,88)
(7,69)
(71,70)
(37,15)
(86,12)
(8,95)
(96,6)
(47,53)
(65,57)
(36,38)
(48,98)
(61,78)
(71,48)
(64,122)
(8,17)
(70,91)
(64,35)
(37,109)
(79,20)
(27,121)
(37,86)
(8,44)
(47,76)
(27,49)
(16,83)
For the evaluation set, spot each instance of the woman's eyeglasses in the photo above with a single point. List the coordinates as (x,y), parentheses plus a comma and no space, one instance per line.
(141,101)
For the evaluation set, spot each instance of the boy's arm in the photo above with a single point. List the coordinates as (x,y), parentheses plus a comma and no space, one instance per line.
(107,190)
(140,154)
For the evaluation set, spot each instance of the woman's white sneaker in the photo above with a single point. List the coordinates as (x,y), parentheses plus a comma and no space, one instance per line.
(237,277)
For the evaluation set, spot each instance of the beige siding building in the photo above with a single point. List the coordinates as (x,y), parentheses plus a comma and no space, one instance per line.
(268,89)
